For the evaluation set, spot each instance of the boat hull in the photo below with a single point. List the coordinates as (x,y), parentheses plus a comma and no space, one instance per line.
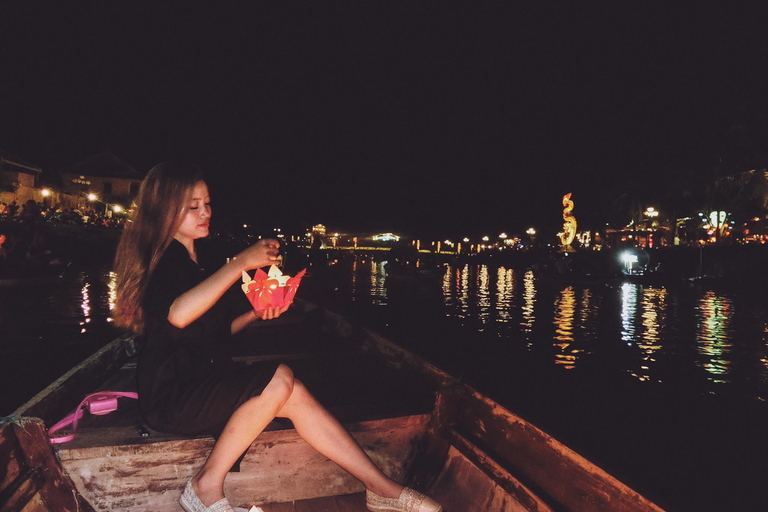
(461,447)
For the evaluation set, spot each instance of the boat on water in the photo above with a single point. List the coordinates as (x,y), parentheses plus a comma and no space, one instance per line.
(419,424)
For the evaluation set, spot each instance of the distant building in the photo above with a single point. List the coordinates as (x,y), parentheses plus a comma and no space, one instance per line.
(104,175)
(18,180)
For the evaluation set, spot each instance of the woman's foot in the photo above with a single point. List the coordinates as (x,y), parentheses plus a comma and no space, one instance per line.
(209,489)
(192,503)
(409,501)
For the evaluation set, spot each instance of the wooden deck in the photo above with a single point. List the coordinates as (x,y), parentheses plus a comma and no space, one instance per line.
(347,503)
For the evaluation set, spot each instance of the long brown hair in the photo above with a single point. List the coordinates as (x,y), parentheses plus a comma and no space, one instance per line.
(162,202)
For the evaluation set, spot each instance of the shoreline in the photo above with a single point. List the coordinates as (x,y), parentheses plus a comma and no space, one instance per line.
(744,266)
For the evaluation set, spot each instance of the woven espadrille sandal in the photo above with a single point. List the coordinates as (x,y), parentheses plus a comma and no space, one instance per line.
(191,503)
(409,501)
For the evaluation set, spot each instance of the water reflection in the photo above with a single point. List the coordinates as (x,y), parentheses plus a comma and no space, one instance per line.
(527,308)
(652,320)
(505,290)
(378,277)
(714,334)
(565,310)
(112,296)
(73,308)
(483,296)
(764,359)
(628,311)
(367,278)
(85,306)
(580,324)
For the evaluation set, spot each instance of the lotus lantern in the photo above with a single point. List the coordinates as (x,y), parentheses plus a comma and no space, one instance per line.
(270,289)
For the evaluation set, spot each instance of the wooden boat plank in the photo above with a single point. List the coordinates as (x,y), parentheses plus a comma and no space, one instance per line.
(543,463)
(463,486)
(326,504)
(65,393)
(352,502)
(278,467)
(434,451)
(11,456)
(36,504)
(511,485)
(279,507)
(36,482)
(22,490)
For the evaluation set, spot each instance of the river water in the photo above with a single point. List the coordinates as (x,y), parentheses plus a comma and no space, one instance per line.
(664,387)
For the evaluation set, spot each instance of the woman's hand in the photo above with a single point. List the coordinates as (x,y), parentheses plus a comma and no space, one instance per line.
(272,313)
(262,253)
(251,316)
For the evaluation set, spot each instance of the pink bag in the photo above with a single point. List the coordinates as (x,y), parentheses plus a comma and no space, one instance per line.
(98,404)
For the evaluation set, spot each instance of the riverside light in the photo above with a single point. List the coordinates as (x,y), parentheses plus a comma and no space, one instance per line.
(628,258)
(386,237)
(92,197)
(45,192)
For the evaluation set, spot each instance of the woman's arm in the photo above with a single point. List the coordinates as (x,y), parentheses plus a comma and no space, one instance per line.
(193,303)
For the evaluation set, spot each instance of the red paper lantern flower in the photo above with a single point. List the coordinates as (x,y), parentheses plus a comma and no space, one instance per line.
(270,290)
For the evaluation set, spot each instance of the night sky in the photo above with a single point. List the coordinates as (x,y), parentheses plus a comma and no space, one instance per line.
(426,118)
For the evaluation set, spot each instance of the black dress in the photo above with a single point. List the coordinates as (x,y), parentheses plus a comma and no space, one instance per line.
(187,381)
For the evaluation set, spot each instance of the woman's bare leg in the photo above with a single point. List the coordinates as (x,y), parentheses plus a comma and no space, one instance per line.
(245,424)
(325,434)
(287,397)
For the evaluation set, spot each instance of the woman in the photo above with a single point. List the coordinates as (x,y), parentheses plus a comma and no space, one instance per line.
(187,383)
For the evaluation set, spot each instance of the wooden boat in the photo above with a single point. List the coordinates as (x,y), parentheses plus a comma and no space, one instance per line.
(419,424)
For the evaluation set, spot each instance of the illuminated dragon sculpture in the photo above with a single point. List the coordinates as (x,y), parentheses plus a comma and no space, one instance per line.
(569,223)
